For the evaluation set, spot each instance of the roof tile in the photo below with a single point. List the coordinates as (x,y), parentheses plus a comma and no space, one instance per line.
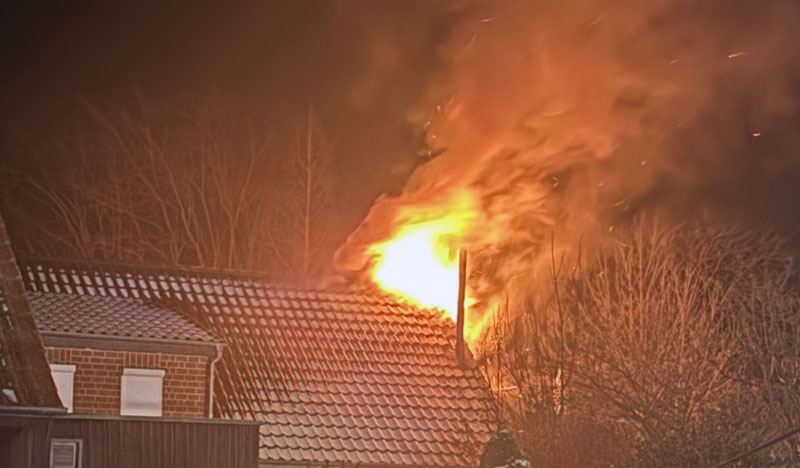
(112,316)
(346,377)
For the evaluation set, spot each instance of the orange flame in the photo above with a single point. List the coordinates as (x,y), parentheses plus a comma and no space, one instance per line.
(419,263)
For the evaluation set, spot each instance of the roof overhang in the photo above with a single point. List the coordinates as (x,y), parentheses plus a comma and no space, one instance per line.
(265,463)
(31,410)
(131,344)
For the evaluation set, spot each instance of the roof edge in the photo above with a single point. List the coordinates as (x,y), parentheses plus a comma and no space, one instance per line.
(32,410)
(131,344)
(24,366)
(13,411)
(267,463)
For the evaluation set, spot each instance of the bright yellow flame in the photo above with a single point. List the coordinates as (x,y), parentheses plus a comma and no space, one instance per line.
(417,267)
(419,264)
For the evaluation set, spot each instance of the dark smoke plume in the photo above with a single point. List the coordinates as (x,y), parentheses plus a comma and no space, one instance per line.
(569,118)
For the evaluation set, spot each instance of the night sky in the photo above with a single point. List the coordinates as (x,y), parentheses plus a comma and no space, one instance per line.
(362,64)
(372,67)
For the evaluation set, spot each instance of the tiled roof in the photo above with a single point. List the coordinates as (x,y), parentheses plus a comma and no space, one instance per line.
(10,377)
(111,316)
(337,377)
(24,374)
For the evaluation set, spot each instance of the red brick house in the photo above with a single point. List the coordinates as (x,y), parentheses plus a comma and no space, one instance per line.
(337,378)
(36,430)
(106,350)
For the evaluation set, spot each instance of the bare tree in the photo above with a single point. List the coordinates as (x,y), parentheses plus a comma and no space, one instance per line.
(193,185)
(769,339)
(657,345)
(305,208)
(672,348)
(72,185)
(186,186)
(530,357)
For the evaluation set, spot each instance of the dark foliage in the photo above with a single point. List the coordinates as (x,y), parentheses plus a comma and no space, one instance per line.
(502,451)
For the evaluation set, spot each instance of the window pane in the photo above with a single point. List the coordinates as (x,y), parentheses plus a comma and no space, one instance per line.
(141,392)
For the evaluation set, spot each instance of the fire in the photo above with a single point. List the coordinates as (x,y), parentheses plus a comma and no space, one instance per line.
(419,263)
(418,266)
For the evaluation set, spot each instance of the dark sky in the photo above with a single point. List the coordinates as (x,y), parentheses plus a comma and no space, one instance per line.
(361,63)
(364,64)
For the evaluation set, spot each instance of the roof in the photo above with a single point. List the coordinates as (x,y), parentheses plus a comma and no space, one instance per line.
(338,377)
(110,316)
(24,373)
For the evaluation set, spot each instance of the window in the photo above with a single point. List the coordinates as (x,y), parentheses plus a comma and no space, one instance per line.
(141,392)
(64,378)
(65,453)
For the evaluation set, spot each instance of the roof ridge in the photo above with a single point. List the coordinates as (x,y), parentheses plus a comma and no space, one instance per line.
(64,261)
(261,279)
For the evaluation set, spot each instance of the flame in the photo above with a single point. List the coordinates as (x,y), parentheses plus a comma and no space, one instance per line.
(418,266)
(419,262)
(544,115)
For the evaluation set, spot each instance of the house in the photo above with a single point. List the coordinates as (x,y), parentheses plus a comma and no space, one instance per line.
(336,378)
(36,428)
(116,355)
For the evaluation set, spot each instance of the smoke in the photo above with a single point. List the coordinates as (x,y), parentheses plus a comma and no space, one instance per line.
(566,119)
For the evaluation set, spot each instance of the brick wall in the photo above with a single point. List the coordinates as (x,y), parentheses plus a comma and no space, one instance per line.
(98,373)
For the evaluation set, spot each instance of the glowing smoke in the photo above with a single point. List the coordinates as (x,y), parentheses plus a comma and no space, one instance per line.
(566,118)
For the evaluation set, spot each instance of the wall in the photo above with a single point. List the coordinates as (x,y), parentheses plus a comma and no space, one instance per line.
(120,442)
(98,372)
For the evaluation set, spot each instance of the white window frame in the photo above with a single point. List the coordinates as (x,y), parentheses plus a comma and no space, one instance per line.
(77,453)
(142,392)
(64,378)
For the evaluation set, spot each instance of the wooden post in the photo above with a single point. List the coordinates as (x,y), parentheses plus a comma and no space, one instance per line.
(462,287)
